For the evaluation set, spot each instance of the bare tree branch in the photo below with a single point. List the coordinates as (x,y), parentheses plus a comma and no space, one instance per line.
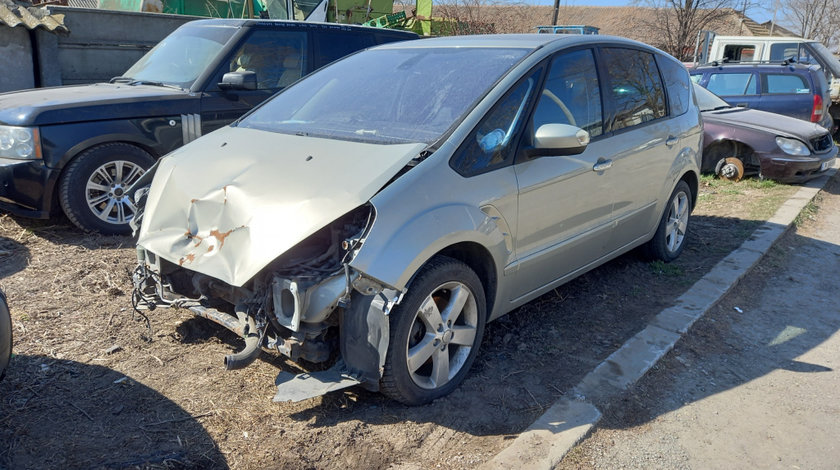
(675,23)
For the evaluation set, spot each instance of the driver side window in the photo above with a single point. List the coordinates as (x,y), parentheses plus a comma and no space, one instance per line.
(277,57)
(571,94)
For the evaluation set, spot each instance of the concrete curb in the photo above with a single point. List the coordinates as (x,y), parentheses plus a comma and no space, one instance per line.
(571,418)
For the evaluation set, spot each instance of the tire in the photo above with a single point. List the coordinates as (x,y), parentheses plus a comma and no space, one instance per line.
(92,189)
(5,335)
(448,349)
(669,240)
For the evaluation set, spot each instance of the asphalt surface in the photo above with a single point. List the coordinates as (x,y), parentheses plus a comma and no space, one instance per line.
(755,383)
(613,386)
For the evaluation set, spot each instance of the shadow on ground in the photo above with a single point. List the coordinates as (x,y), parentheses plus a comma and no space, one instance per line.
(117,421)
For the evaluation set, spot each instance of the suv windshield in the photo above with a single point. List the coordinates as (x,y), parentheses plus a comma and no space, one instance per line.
(387,95)
(708,101)
(181,56)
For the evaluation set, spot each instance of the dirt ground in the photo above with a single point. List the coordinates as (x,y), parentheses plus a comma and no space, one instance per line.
(89,387)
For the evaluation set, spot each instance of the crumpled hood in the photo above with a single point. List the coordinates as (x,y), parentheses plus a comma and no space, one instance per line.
(764,121)
(56,105)
(231,202)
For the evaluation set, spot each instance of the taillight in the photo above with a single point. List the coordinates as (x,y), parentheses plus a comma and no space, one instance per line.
(817,112)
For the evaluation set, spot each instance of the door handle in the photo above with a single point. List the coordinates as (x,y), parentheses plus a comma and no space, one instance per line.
(671,141)
(601,166)
(742,105)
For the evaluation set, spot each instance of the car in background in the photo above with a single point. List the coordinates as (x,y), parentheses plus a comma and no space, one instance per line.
(375,230)
(795,90)
(5,335)
(739,141)
(77,148)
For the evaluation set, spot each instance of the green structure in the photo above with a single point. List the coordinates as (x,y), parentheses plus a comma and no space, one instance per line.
(377,13)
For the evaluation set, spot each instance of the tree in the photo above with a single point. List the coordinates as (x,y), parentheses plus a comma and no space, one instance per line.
(813,19)
(674,24)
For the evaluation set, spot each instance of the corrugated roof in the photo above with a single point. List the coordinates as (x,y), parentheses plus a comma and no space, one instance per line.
(14,14)
(83,3)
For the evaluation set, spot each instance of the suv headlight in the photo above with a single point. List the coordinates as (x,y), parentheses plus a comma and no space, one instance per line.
(19,142)
(792,146)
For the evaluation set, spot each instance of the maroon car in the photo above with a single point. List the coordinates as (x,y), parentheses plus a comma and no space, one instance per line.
(739,141)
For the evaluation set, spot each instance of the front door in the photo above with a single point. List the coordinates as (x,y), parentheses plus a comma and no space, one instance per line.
(565,202)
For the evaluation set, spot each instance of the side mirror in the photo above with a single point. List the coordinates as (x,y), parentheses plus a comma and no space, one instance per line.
(246,80)
(559,139)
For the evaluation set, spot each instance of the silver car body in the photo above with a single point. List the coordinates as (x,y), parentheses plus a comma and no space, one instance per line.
(228,204)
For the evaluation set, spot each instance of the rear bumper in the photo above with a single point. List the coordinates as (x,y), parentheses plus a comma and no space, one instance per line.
(789,169)
(26,188)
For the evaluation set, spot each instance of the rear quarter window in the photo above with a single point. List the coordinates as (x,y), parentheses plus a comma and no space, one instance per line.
(677,82)
(786,84)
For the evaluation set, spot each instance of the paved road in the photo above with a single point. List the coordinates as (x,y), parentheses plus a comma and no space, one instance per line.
(755,383)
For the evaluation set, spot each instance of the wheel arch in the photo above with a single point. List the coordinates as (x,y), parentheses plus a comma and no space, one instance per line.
(479,259)
(726,147)
(693,182)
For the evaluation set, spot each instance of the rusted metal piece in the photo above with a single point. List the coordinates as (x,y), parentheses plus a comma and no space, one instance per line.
(228,321)
(731,169)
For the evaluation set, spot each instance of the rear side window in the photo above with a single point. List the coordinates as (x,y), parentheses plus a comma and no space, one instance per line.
(729,84)
(677,82)
(333,45)
(784,50)
(739,52)
(786,84)
(635,86)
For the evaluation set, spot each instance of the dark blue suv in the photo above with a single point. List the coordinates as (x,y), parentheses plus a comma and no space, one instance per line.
(795,90)
(78,148)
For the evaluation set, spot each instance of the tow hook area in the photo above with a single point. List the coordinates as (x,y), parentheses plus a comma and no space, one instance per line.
(364,334)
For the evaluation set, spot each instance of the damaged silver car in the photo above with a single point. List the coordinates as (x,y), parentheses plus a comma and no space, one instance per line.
(375,215)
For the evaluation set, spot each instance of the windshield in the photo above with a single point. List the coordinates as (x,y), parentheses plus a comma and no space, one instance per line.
(387,95)
(708,101)
(181,56)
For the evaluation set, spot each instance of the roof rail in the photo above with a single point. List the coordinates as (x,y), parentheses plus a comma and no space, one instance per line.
(788,61)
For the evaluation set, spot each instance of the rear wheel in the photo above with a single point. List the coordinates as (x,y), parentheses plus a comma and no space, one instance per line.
(669,240)
(93,191)
(435,333)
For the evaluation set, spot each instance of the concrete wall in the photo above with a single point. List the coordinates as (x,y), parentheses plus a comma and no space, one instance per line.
(15,59)
(102,44)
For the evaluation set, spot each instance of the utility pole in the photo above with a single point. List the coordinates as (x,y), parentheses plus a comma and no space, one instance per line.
(556,12)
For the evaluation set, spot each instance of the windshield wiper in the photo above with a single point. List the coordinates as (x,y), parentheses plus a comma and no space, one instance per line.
(153,83)
(121,80)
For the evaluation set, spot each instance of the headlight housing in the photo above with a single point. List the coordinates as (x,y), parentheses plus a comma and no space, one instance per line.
(20,143)
(792,146)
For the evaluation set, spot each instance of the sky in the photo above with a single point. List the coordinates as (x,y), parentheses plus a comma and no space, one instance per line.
(758,14)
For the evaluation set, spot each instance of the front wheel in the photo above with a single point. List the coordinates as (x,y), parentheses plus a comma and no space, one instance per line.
(93,191)
(669,240)
(435,333)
